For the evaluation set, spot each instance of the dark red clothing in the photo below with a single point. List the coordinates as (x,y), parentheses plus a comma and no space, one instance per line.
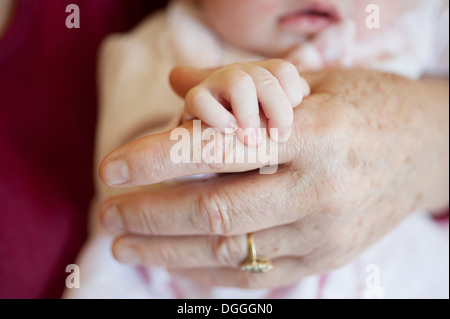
(47,125)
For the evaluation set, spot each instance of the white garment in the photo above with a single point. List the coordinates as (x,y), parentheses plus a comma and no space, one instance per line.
(413,260)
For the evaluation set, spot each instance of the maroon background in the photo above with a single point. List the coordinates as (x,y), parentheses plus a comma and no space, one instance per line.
(47,124)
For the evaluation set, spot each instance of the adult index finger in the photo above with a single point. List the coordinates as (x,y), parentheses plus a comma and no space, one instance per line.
(190,149)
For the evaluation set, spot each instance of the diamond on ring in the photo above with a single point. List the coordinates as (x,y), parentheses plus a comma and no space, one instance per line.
(254,264)
(257,266)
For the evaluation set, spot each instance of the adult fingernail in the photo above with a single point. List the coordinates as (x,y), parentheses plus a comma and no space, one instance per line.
(128,255)
(116,172)
(284,135)
(113,220)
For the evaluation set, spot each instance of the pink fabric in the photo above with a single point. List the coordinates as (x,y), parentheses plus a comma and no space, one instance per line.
(322,283)
(47,124)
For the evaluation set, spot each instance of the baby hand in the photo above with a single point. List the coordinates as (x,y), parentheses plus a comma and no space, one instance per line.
(230,99)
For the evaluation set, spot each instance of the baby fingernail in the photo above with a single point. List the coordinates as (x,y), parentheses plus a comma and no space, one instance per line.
(116,172)
(232,126)
(284,135)
(113,220)
(128,255)
(251,137)
(254,137)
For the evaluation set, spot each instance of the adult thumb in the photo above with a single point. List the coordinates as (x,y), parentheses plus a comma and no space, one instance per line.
(183,79)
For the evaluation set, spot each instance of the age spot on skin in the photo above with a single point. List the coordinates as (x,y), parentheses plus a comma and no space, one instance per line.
(379,127)
(352,158)
(360,223)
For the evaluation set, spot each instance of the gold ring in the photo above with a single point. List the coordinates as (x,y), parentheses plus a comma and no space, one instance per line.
(254,264)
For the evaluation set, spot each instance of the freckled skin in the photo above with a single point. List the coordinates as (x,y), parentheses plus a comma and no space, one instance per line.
(346,184)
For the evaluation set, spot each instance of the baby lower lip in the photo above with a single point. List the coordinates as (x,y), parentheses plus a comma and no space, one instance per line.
(309,21)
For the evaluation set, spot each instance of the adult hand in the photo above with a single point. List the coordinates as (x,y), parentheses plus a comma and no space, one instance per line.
(367,148)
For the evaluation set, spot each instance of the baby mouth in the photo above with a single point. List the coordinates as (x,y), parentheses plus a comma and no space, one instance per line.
(311,19)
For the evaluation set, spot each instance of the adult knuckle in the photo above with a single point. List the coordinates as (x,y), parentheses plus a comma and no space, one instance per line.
(146,223)
(138,220)
(214,151)
(227,251)
(216,211)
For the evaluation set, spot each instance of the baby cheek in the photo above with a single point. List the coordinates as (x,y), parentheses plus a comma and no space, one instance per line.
(259,8)
(254,15)
(267,6)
